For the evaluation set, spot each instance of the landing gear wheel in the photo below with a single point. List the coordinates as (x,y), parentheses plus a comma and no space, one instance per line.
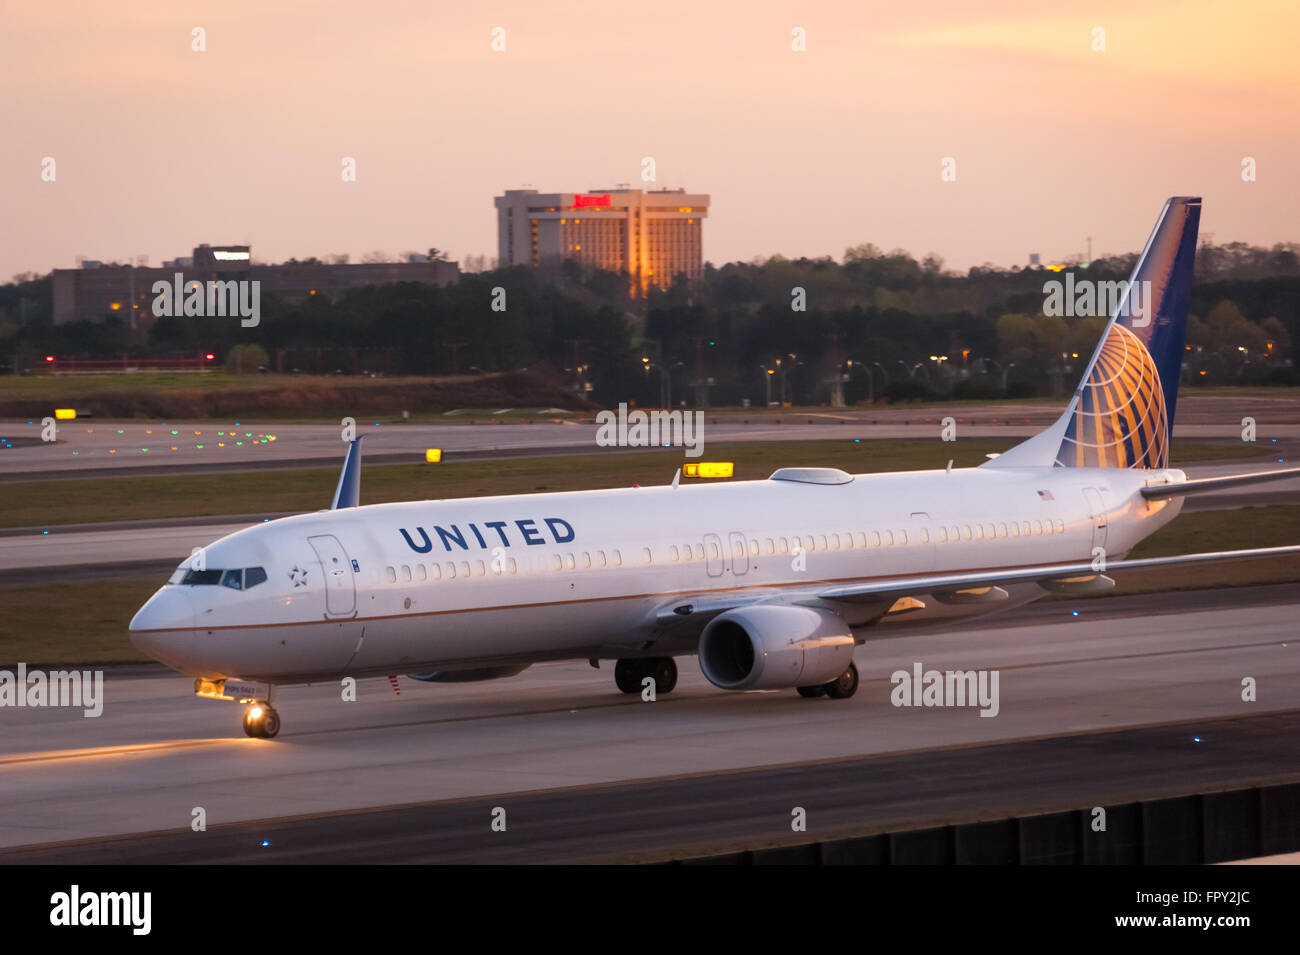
(845,686)
(664,671)
(261,721)
(812,692)
(627,675)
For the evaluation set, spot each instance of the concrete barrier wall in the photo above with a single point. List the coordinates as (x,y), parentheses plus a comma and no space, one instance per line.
(1189,830)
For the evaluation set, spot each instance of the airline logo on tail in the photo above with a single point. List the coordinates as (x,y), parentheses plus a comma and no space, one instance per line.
(1122,415)
(1119,420)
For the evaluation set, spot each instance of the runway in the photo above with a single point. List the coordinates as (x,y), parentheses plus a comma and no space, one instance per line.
(558,730)
(91,448)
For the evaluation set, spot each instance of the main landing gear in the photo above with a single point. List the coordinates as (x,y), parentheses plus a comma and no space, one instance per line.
(840,688)
(628,674)
(261,721)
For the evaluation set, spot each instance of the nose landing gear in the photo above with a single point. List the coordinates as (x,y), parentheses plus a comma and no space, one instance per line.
(261,721)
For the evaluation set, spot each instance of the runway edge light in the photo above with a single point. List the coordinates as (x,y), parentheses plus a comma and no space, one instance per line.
(433,455)
(65,414)
(709,469)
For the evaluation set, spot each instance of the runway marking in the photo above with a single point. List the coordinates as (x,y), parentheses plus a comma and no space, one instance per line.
(131,750)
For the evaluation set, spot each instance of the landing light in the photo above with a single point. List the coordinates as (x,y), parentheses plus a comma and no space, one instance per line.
(255,712)
(709,469)
(433,455)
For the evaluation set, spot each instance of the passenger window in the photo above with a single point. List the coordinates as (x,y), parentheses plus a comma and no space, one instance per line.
(451,571)
(1026,529)
(979,532)
(618,558)
(875,538)
(902,537)
(556,563)
(713,548)
(771,547)
(600,558)
(464,568)
(1049,529)
(965,532)
(672,553)
(1060,527)
(511,566)
(753,548)
(925,536)
(1015,529)
(1002,530)
(646,556)
(808,544)
(569,562)
(253,576)
(1038,527)
(479,568)
(785,546)
(420,573)
(435,572)
(406,572)
(943,534)
(391,574)
(234,579)
(586,560)
(821,542)
(862,539)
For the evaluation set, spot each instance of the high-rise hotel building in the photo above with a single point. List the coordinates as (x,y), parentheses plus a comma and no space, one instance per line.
(652,235)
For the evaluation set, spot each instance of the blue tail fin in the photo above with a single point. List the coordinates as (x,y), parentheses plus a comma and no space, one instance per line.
(1122,413)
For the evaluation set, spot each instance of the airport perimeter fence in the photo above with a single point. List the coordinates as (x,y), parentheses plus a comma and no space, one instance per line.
(1197,829)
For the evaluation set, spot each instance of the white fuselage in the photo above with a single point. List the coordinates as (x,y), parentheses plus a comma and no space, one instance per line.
(478,582)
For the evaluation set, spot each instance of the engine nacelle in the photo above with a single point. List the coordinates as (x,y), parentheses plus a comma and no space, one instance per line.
(468,676)
(774,647)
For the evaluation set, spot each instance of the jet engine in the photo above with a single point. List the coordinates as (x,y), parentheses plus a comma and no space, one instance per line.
(768,647)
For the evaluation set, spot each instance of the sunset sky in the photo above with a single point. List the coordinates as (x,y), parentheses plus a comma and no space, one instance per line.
(158,148)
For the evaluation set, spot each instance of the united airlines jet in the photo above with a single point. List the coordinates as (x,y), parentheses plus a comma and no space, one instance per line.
(772,583)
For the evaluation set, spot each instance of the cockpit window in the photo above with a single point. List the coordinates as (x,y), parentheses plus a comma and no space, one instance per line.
(201,578)
(234,579)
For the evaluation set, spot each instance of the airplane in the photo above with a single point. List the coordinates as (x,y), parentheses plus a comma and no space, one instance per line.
(772,583)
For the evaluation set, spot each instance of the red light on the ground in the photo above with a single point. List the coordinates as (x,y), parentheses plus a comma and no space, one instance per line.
(49,358)
(209,356)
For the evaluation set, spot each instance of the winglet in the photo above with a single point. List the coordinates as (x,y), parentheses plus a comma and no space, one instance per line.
(348,492)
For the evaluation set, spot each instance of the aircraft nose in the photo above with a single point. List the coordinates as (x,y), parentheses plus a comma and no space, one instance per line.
(166,617)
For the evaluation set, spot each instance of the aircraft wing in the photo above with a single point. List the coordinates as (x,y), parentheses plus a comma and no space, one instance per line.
(1052,577)
(1202,485)
(1045,574)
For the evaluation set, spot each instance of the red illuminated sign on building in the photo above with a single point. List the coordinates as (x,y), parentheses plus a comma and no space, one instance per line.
(581,201)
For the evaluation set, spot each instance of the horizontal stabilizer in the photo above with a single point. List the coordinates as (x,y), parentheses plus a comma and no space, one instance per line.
(1156,491)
